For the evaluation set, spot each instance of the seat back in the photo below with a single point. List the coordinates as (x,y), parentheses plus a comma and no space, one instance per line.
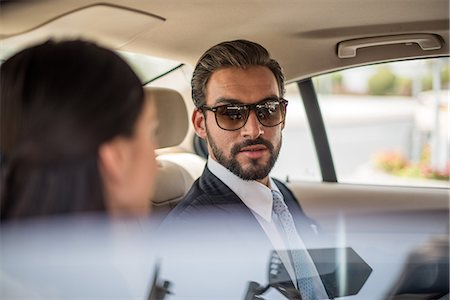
(177,167)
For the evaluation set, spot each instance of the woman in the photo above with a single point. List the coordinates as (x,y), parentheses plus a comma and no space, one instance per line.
(76,133)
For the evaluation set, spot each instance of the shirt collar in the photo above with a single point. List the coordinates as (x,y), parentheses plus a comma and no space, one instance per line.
(252,193)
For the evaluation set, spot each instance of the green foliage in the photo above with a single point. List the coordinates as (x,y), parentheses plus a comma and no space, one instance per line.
(336,78)
(445,76)
(382,82)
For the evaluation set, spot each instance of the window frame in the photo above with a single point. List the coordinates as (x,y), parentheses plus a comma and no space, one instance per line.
(318,130)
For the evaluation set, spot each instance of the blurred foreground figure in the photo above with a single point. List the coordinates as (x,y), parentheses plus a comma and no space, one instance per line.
(77,141)
(77,134)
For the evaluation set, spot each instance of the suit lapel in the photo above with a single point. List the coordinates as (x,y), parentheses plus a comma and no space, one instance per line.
(238,215)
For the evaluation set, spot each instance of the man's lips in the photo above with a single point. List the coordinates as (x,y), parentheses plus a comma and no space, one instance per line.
(253,148)
(254,151)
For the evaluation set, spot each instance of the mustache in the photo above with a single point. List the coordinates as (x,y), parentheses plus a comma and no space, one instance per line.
(258,141)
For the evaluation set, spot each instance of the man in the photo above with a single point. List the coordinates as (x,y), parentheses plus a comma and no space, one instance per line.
(238,89)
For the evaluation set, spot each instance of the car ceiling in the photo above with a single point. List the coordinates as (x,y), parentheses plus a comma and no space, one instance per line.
(302,34)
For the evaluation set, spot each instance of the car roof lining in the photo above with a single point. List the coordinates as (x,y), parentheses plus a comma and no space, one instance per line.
(83,14)
(171,29)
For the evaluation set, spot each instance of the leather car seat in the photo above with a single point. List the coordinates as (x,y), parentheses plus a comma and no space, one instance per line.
(178,168)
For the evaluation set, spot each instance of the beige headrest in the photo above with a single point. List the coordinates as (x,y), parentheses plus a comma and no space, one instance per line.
(172,115)
(172,183)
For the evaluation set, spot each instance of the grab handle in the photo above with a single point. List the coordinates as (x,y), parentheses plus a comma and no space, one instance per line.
(347,49)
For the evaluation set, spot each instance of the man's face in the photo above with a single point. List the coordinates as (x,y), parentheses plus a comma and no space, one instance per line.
(249,152)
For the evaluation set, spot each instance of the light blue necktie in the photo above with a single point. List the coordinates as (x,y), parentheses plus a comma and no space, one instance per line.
(301,263)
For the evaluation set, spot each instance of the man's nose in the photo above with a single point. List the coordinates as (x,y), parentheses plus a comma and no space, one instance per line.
(252,129)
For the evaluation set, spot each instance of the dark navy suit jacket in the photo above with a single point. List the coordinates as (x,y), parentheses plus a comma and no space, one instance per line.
(210,197)
(212,211)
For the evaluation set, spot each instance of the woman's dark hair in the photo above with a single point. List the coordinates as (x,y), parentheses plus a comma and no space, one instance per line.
(59,102)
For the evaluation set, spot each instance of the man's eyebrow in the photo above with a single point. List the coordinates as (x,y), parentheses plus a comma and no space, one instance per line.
(236,101)
(270,98)
(228,101)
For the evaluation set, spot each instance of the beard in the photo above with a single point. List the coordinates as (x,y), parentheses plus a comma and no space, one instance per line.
(257,169)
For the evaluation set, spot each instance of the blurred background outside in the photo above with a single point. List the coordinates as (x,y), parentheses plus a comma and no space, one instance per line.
(386,124)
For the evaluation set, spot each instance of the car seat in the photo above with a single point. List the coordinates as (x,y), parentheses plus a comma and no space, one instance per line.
(178,168)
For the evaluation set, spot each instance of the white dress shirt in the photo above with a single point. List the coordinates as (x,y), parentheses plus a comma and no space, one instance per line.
(258,198)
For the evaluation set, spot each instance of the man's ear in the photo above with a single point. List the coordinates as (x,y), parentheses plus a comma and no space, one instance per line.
(113,160)
(198,120)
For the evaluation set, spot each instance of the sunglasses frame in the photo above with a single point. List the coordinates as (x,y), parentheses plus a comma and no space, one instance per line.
(282,102)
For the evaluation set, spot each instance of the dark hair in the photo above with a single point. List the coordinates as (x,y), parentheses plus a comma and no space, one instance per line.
(59,102)
(238,53)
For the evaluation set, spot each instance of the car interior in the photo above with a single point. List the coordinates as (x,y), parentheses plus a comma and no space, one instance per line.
(309,38)
(177,168)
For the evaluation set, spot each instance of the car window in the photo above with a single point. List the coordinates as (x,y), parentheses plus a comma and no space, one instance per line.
(298,158)
(388,123)
(149,68)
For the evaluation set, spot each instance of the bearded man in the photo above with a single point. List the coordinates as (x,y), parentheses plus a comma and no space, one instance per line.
(238,90)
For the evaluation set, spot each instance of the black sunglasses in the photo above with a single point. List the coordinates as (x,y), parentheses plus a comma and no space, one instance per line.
(231,117)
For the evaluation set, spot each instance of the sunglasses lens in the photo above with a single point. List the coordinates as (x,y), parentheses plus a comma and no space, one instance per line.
(231,117)
(270,113)
(234,117)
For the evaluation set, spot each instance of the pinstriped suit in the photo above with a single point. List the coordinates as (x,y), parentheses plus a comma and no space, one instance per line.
(209,196)
(211,207)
